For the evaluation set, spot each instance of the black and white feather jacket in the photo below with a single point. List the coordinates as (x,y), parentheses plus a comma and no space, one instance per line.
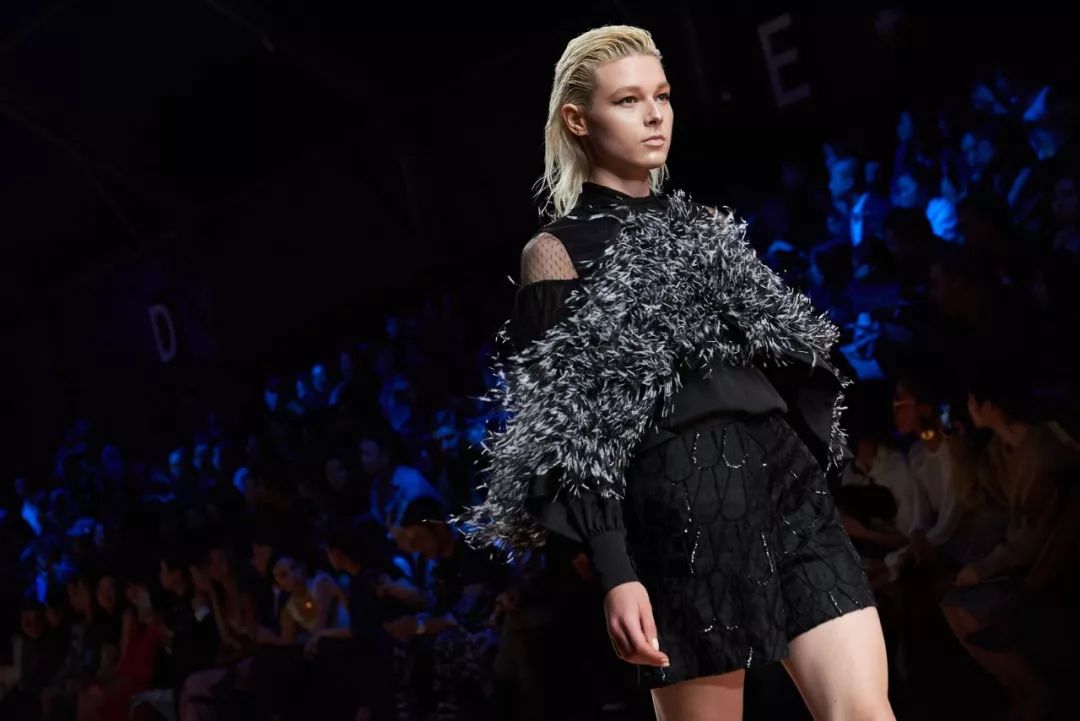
(677,283)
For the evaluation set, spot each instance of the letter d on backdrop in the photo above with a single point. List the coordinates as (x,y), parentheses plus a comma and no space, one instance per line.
(164,332)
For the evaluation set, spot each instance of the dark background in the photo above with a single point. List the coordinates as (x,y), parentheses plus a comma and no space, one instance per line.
(280,174)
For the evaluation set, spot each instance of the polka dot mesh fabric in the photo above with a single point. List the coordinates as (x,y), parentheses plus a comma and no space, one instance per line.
(545,258)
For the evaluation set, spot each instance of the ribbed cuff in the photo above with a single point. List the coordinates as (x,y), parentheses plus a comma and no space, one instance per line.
(610,560)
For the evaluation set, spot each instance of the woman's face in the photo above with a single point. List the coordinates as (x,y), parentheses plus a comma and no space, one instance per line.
(106,593)
(289,575)
(905,411)
(79,597)
(628,123)
(138,595)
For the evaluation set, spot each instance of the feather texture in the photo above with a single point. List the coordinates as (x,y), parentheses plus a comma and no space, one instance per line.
(675,283)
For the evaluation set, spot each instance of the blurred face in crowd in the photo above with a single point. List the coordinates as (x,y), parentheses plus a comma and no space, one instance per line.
(372,457)
(337,476)
(909,415)
(1065,204)
(177,463)
(270,398)
(627,125)
(335,558)
(346,366)
(138,595)
(978,152)
(32,623)
(79,597)
(106,593)
(982,413)
(260,556)
(842,176)
(201,457)
(417,538)
(289,575)
(172,580)
(320,379)
(945,291)
(908,193)
(447,437)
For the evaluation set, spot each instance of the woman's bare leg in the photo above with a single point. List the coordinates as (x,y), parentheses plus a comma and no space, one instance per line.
(841,669)
(708,698)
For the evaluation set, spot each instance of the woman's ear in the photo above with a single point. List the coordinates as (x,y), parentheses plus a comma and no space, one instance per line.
(574,118)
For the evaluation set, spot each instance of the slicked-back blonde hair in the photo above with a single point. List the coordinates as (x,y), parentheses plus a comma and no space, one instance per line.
(566,165)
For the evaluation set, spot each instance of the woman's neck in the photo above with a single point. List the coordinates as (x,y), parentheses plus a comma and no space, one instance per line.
(634,187)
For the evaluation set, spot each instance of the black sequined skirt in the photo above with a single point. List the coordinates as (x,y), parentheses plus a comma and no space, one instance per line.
(735,535)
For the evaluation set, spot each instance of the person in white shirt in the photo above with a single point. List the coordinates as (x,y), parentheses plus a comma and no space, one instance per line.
(936,511)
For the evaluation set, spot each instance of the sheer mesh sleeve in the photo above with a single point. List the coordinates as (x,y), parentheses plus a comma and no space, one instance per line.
(545,258)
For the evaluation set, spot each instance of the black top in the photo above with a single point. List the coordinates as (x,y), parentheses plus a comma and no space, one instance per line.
(466,584)
(728,390)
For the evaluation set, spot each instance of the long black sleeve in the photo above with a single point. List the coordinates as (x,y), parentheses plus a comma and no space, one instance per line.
(588,518)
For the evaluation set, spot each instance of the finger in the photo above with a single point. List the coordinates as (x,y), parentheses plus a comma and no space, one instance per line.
(618,641)
(641,650)
(648,626)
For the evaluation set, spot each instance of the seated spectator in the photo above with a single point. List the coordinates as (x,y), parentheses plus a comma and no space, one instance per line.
(316,603)
(191,637)
(875,497)
(82,657)
(360,550)
(393,484)
(936,511)
(344,493)
(461,615)
(1021,469)
(109,699)
(33,662)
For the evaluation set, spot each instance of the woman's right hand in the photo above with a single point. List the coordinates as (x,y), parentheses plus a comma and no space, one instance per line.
(631,627)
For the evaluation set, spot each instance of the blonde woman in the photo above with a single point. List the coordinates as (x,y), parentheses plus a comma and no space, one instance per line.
(671,406)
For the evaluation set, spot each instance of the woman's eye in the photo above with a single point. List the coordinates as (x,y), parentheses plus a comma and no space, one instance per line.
(664,96)
(625,100)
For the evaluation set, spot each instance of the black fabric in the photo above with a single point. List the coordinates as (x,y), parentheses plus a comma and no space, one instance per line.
(364,664)
(589,518)
(466,583)
(734,534)
(194,642)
